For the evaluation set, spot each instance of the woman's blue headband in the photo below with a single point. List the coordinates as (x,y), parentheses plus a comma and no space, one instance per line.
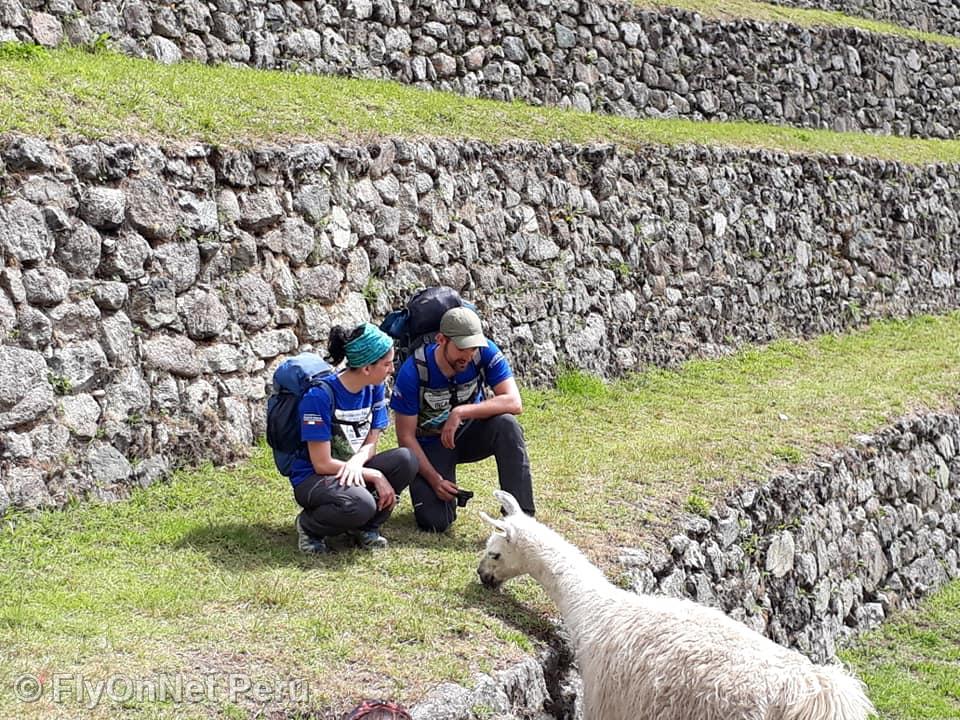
(368,347)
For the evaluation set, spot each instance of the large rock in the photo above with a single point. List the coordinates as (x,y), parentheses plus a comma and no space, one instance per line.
(294,238)
(780,554)
(259,210)
(72,321)
(47,30)
(124,257)
(23,232)
(78,367)
(81,414)
(46,286)
(174,354)
(78,251)
(179,261)
(202,313)
(29,153)
(27,489)
(252,302)
(154,304)
(150,209)
(117,339)
(103,207)
(25,393)
(107,464)
(321,282)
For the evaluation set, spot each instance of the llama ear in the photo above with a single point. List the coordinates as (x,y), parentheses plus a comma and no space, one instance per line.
(506,529)
(497,524)
(508,502)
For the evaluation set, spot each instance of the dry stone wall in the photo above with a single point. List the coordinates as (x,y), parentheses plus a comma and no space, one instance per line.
(810,559)
(935,16)
(146,292)
(610,57)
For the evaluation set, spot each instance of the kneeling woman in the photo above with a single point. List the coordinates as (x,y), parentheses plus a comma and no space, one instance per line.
(346,486)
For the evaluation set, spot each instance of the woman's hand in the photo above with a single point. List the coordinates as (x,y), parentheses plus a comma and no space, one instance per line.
(351,473)
(386,497)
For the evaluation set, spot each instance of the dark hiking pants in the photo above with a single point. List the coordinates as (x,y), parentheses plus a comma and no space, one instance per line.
(500,436)
(330,509)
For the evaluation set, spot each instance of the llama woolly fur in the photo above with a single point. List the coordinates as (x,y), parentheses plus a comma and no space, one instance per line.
(645,657)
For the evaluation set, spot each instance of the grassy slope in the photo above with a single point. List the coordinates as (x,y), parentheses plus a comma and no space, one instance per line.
(71,92)
(912,663)
(201,574)
(809,18)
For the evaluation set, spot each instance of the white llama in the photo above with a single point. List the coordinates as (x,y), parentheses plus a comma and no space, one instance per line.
(646,657)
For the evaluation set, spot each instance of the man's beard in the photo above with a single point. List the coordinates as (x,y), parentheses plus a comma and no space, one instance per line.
(457,365)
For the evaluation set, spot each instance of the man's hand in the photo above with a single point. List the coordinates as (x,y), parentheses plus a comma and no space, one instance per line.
(386,497)
(448,435)
(444,489)
(351,473)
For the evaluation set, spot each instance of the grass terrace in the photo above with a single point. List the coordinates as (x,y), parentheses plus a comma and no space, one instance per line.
(200,577)
(802,17)
(72,92)
(910,663)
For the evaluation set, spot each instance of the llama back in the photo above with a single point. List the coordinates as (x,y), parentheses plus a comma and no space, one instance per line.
(658,658)
(829,693)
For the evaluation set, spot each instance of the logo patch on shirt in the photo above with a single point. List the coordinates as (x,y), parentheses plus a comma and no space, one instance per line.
(312,419)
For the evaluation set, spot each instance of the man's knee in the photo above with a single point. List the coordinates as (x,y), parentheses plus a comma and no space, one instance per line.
(436,522)
(506,427)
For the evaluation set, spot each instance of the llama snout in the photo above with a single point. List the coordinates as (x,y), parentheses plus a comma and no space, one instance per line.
(488,579)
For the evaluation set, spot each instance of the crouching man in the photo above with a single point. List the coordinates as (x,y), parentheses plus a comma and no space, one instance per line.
(444,417)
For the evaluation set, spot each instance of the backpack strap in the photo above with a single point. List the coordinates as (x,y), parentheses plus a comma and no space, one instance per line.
(420,360)
(423,370)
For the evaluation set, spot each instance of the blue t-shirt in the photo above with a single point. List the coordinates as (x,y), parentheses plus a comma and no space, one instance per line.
(439,391)
(356,414)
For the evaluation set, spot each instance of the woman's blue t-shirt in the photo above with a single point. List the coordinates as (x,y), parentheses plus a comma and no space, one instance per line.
(356,414)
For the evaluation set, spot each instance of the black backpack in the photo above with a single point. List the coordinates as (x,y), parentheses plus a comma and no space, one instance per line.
(292,378)
(416,325)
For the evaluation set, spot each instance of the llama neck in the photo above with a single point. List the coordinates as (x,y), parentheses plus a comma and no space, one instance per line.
(568,577)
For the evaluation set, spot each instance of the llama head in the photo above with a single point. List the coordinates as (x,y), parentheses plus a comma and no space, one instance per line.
(502,558)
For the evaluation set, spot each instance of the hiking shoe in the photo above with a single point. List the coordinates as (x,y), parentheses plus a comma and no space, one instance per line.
(308,543)
(369,539)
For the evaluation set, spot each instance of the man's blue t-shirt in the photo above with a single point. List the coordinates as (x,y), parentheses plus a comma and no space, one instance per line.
(440,389)
(356,414)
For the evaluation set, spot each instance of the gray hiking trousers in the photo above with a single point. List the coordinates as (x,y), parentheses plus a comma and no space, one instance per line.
(331,509)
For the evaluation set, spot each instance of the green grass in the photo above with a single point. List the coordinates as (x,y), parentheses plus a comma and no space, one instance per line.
(201,576)
(69,92)
(748,9)
(912,662)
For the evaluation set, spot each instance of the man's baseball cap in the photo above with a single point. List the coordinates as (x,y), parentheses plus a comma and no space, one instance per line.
(462,325)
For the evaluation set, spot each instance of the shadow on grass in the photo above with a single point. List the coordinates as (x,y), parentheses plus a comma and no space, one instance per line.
(248,546)
(402,531)
(502,605)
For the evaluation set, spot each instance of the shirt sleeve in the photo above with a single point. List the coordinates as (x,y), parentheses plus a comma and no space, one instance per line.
(315,412)
(406,396)
(495,364)
(380,417)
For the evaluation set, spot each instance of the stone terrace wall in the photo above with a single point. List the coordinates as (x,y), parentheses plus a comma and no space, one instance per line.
(936,16)
(601,56)
(810,559)
(146,292)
